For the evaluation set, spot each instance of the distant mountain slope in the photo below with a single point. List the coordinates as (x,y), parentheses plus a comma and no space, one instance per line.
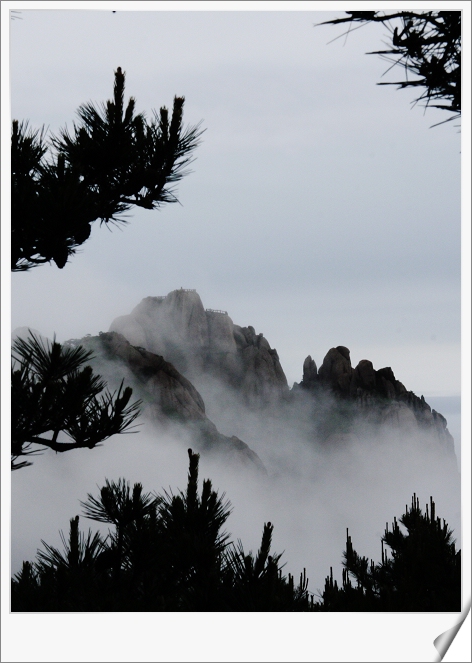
(184,361)
(169,397)
(376,396)
(204,344)
(204,341)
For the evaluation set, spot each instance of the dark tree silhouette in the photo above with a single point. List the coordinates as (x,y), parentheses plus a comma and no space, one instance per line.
(54,392)
(427,45)
(422,575)
(111,161)
(166,552)
(257,584)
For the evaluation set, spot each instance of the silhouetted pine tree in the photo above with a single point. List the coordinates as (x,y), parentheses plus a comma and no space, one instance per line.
(426,45)
(257,584)
(53,392)
(61,581)
(423,573)
(166,552)
(111,161)
(193,543)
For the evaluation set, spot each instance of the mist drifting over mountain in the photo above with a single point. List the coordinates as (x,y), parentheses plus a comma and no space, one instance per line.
(322,210)
(344,448)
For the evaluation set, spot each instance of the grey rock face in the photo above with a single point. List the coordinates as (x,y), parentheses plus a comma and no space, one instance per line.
(199,342)
(168,396)
(169,393)
(174,326)
(363,376)
(336,370)
(310,373)
(375,395)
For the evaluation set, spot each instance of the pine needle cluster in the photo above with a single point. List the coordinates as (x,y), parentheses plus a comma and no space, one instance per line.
(111,161)
(55,393)
(164,552)
(422,573)
(426,45)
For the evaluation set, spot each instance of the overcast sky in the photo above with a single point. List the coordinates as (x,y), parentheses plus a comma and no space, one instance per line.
(322,208)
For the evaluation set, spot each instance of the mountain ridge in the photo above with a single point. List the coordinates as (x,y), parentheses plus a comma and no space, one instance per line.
(181,357)
(205,343)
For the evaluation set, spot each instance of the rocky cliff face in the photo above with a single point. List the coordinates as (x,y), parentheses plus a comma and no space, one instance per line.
(168,397)
(377,396)
(171,351)
(170,344)
(201,342)
(206,342)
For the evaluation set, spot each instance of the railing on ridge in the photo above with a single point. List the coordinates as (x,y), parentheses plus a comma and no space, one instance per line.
(160,298)
(215,310)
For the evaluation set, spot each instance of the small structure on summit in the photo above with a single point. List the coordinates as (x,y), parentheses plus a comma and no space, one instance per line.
(215,310)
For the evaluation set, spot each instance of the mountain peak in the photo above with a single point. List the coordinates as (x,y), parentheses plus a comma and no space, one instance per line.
(201,341)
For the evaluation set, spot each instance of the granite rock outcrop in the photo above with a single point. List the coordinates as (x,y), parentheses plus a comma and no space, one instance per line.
(203,342)
(168,397)
(199,342)
(376,396)
(171,350)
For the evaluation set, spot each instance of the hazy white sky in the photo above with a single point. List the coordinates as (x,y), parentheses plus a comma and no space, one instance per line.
(323,209)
